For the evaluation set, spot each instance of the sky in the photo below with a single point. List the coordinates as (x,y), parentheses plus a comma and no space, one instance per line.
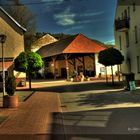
(93,18)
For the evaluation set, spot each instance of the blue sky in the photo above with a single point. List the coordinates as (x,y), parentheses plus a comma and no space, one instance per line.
(93,18)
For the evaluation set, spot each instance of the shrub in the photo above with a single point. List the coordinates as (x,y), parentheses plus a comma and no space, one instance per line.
(10,85)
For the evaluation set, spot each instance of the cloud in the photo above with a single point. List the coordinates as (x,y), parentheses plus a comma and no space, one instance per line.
(53,1)
(65,18)
(110,42)
(91,14)
(80,25)
(89,21)
(50,5)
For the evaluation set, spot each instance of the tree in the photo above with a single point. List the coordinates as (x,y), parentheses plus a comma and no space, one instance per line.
(28,62)
(61,36)
(110,57)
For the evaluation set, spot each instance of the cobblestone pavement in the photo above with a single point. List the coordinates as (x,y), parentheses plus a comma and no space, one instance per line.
(41,115)
(33,119)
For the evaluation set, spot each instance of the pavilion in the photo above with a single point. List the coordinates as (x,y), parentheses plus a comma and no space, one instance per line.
(77,52)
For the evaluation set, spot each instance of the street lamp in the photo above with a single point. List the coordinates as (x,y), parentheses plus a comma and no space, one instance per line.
(2,41)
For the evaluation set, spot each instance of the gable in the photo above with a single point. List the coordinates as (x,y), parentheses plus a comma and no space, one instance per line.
(82,44)
(43,41)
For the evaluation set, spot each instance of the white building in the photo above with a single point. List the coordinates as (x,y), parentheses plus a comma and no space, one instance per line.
(127,34)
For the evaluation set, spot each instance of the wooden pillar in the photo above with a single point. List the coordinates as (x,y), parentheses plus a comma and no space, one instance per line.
(67,64)
(118,67)
(54,66)
(83,59)
(94,63)
(74,62)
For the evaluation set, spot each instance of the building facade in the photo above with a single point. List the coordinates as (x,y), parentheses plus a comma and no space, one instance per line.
(127,35)
(14,44)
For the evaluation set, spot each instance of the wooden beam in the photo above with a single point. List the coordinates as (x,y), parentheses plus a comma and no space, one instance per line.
(94,66)
(92,56)
(79,59)
(74,62)
(68,56)
(83,59)
(67,64)
(54,65)
(71,62)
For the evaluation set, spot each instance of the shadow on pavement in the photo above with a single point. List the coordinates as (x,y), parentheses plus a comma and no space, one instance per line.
(58,127)
(81,87)
(109,124)
(108,98)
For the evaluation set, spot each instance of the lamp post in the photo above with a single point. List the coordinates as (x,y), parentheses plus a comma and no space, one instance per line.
(2,40)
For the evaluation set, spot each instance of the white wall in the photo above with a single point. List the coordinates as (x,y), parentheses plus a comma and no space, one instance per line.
(134,48)
(100,67)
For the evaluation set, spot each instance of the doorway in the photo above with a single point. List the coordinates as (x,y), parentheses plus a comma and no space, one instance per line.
(63,73)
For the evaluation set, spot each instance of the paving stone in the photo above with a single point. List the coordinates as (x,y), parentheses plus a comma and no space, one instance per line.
(33,117)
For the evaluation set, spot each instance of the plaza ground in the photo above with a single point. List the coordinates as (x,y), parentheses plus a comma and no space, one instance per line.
(91,110)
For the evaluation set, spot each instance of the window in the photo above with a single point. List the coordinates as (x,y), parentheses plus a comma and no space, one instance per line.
(127,39)
(120,42)
(122,16)
(136,35)
(125,13)
(134,7)
(138,64)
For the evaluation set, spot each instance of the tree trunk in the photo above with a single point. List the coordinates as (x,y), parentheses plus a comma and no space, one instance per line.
(106,75)
(118,73)
(29,77)
(112,75)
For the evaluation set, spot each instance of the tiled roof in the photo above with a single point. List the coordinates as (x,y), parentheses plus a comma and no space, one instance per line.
(82,44)
(45,40)
(75,44)
(6,65)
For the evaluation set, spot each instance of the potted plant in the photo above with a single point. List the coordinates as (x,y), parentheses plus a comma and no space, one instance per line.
(10,100)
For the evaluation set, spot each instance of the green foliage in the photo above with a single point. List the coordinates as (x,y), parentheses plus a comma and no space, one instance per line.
(28,62)
(10,85)
(20,62)
(35,62)
(110,57)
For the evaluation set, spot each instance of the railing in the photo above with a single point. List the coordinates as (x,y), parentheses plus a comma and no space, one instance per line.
(122,25)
